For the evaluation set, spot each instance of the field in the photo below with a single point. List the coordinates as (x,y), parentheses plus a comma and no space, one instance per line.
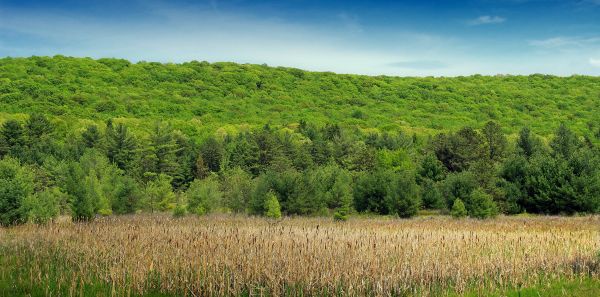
(239,255)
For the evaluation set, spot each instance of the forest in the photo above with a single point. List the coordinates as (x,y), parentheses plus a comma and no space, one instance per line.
(93,145)
(313,170)
(224,179)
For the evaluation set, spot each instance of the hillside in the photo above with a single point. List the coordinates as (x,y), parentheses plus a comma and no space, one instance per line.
(200,98)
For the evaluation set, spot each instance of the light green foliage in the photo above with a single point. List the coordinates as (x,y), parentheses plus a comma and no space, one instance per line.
(233,95)
(179,210)
(458,209)
(481,205)
(321,143)
(272,207)
(44,206)
(16,185)
(158,194)
(204,196)
(396,161)
(341,194)
(237,189)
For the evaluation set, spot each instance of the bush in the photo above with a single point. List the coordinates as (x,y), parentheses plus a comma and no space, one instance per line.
(458,209)
(179,211)
(430,195)
(203,196)
(158,194)
(16,184)
(272,207)
(481,205)
(44,206)
(403,196)
(458,185)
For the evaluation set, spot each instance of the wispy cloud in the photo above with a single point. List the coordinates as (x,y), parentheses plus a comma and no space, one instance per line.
(486,20)
(595,62)
(563,41)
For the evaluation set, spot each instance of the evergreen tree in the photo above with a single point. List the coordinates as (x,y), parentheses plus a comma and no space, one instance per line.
(495,141)
(458,209)
(16,185)
(203,196)
(91,137)
(12,138)
(158,194)
(481,205)
(272,207)
(121,146)
(212,154)
(565,142)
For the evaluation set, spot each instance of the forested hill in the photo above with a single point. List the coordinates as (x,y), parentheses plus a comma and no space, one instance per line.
(200,98)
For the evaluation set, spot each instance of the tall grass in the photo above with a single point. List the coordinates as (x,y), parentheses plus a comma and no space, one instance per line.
(227,255)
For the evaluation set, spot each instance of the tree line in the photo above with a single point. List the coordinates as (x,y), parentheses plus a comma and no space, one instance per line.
(110,169)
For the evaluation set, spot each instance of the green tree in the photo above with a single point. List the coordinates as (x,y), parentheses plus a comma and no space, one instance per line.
(158,194)
(126,196)
(403,197)
(37,126)
(162,151)
(272,207)
(91,137)
(237,189)
(495,141)
(44,206)
(481,205)
(341,195)
(527,144)
(121,146)
(459,150)
(12,139)
(431,168)
(565,142)
(458,209)
(16,185)
(431,196)
(212,154)
(458,185)
(203,196)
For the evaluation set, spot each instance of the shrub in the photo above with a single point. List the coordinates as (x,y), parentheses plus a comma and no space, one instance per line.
(481,205)
(16,184)
(430,195)
(203,196)
(158,194)
(458,209)
(179,211)
(403,196)
(272,207)
(44,206)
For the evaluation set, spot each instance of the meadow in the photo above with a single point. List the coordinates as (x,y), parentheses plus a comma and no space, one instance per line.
(227,255)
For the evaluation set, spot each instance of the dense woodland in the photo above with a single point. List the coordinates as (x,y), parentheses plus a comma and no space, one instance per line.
(89,138)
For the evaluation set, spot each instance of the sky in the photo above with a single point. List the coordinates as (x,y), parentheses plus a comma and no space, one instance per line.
(403,38)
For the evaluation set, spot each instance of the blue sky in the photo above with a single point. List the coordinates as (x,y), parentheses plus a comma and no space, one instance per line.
(406,38)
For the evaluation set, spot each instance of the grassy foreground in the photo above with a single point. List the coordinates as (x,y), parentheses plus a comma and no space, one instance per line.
(227,255)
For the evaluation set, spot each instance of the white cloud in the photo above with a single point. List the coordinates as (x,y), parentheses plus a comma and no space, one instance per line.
(176,34)
(486,20)
(562,41)
(595,62)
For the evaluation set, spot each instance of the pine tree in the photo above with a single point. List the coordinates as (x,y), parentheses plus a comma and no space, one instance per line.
(272,207)
(13,139)
(121,146)
(91,137)
(495,141)
(458,209)
(212,154)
